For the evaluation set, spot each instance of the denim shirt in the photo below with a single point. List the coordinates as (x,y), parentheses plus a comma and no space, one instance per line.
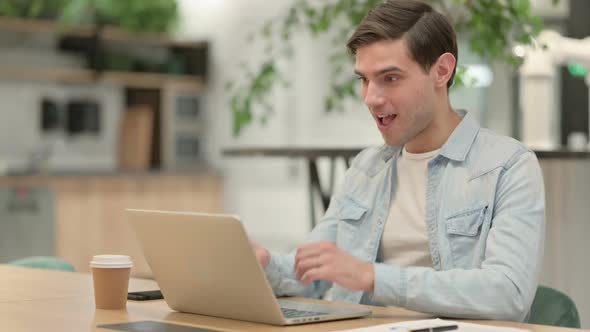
(485,218)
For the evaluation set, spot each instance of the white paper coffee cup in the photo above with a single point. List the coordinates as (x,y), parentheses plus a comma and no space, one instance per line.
(110,275)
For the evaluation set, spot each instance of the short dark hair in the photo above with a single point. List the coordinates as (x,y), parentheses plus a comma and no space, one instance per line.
(428,33)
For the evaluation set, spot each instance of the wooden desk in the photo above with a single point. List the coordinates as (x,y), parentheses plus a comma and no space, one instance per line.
(41,300)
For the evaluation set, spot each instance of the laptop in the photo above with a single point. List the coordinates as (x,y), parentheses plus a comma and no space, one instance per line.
(204,264)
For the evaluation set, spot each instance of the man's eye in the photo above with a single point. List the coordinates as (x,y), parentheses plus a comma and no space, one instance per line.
(390,78)
(362,79)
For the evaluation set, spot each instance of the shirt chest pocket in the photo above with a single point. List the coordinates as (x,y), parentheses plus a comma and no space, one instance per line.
(467,232)
(350,216)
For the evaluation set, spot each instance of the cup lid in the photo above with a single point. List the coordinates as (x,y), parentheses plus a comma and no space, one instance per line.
(111,261)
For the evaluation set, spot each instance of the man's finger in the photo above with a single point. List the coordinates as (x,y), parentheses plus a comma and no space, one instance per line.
(306,264)
(312,275)
(313,249)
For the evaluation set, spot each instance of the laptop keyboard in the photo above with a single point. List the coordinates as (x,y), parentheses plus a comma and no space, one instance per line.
(294,313)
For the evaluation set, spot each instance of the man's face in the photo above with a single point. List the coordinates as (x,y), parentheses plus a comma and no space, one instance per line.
(398,92)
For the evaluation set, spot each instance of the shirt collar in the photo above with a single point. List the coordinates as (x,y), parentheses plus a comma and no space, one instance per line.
(457,145)
(388,151)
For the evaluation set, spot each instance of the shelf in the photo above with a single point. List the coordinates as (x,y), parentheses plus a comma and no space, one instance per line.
(87,75)
(47,74)
(42,26)
(108,33)
(81,76)
(152,80)
(120,35)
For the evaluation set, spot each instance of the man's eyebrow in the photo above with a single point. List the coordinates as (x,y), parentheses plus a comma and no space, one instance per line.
(382,71)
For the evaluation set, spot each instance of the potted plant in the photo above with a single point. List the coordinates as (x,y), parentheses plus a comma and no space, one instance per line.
(34,9)
(135,15)
(158,16)
(492,28)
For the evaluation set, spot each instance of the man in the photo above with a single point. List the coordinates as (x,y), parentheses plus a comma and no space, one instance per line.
(446,217)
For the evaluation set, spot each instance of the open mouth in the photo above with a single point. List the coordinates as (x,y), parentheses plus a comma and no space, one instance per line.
(387,119)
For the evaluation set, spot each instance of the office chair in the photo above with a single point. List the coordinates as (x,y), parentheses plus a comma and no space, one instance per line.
(552,307)
(44,262)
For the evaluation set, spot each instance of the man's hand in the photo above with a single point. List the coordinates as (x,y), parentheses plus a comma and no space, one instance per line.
(262,254)
(325,261)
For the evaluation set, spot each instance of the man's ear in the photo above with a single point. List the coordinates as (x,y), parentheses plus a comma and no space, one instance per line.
(442,69)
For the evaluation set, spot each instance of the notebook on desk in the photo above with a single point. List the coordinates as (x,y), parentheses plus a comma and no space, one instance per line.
(204,264)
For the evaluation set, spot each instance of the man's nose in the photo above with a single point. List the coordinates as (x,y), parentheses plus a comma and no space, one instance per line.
(373,96)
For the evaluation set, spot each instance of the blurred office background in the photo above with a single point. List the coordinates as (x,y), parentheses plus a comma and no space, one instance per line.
(97,119)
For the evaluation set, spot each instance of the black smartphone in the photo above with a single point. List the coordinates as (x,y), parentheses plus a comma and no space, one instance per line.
(145,295)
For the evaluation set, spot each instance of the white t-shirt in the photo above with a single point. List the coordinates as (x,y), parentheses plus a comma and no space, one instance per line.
(405,237)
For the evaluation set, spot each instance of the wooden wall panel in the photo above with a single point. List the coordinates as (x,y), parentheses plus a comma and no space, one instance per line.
(89,213)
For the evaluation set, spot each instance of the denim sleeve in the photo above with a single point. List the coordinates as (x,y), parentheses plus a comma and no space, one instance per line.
(504,286)
(280,270)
